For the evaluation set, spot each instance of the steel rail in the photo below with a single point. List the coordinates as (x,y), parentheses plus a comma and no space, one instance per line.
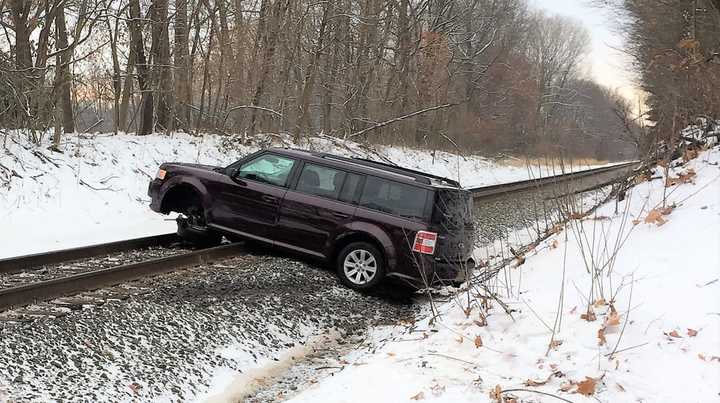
(20,263)
(50,289)
(511,187)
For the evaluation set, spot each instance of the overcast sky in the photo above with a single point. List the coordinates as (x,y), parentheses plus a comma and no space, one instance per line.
(605,63)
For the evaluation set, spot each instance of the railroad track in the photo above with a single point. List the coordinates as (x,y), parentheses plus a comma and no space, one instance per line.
(577,181)
(50,276)
(43,277)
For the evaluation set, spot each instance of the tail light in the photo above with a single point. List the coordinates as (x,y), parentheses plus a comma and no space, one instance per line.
(425,242)
(161,174)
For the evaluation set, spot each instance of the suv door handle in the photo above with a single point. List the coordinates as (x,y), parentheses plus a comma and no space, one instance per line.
(269,199)
(340,215)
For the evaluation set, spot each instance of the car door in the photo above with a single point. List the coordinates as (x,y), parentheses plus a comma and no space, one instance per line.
(318,206)
(249,203)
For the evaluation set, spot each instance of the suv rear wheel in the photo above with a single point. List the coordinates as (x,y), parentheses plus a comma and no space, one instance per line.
(360,266)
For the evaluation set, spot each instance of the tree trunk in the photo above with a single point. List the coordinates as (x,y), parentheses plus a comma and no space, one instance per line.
(160,50)
(146,102)
(309,82)
(127,91)
(182,65)
(279,9)
(63,81)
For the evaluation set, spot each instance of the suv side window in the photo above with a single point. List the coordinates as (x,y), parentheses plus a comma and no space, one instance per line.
(320,181)
(268,168)
(394,198)
(350,188)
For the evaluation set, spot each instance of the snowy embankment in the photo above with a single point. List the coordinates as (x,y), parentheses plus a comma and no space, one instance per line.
(645,327)
(96,189)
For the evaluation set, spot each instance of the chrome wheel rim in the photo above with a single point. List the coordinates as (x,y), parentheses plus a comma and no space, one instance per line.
(360,266)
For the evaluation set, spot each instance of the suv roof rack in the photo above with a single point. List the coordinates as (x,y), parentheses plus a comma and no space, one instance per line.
(417,175)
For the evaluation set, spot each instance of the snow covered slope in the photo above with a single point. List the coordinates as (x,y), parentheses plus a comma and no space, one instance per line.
(647,332)
(96,190)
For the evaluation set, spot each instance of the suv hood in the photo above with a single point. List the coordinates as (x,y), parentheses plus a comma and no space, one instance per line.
(196,166)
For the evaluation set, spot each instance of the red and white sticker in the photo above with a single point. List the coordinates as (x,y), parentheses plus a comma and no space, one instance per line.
(425,242)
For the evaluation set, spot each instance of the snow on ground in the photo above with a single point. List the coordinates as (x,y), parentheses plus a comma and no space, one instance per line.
(654,310)
(96,190)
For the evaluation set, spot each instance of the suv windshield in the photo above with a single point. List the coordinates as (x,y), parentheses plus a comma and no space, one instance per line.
(270,169)
(394,198)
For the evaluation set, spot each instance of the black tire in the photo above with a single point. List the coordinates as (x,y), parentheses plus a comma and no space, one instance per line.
(363,278)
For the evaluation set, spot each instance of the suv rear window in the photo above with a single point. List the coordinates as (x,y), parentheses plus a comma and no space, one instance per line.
(394,198)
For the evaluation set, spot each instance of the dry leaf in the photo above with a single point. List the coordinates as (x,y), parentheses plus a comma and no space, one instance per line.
(690,154)
(601,337)
(419,396)
(554,244)
(478,342)
(566,387)
(481,323)
(682,178)
(572,311)
(655,217)
(692,332)
(460,339)
(391,354)
(620,387)
(702,356)
(496,393)
(613,319)
(586,387)
(674,333)
(534,383)
(641,178)
(636,222)
(589,316)
(556,343)
(135,387)
(600,302)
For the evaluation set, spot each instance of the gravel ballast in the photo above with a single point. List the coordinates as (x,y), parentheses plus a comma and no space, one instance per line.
(167,341)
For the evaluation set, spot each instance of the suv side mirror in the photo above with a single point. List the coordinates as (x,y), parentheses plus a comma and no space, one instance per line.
(232,172)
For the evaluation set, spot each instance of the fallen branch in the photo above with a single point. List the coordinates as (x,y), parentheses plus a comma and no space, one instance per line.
(260,108)
(12,171)
(44,158)
(82,182)
(397,119)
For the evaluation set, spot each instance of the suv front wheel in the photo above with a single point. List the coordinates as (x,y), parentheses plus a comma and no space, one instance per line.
(360,266)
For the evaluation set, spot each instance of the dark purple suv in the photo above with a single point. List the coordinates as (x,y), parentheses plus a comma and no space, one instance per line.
(371,220)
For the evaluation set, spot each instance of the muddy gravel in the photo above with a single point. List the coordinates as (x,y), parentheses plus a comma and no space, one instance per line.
(166,342)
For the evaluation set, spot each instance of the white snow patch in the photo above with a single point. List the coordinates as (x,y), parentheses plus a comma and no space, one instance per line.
(672,271)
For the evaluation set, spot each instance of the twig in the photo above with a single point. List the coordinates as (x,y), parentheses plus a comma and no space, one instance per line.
(536,391)
(453,358)
(626,349)
(627,316)
(82,182)
(397,119)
